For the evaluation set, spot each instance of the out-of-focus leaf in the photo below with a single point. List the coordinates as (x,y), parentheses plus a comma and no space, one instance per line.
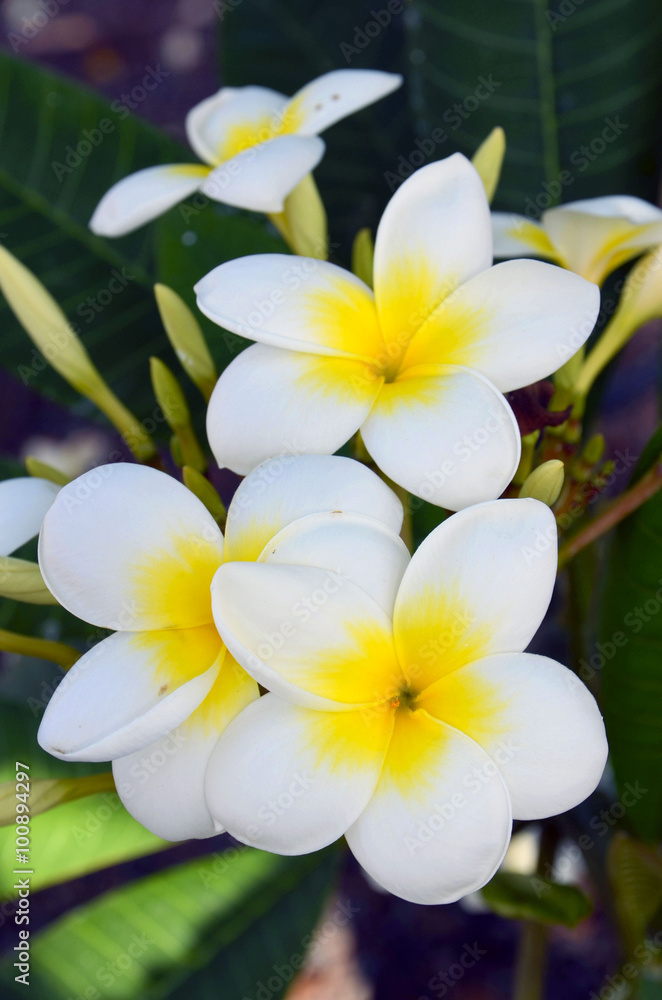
(577,88)
(212,928)
(531,897)
(635,872)
(47,793)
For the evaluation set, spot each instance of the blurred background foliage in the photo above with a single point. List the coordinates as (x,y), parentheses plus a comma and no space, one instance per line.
(576,84)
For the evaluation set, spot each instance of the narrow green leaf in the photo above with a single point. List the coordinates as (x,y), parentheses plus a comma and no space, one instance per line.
(531,897)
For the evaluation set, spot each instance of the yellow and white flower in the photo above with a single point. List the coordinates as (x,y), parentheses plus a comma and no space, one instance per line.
(419,366)
(128,548)
(591,237)
(417,731)
(256,146)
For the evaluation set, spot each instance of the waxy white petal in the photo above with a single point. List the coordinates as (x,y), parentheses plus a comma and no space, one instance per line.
(298,303)
(24,502)
(438,824)
(480,583)
(434,234)
(360,549)
(337,94)
(446,434)
(261,177)
(291,780)
(228,116)
(163,785)
(517,236)
(283,489)
(307,634)
(270,402)
(127,547)
(144,196)
(515,323)
(128,691)
(536,719)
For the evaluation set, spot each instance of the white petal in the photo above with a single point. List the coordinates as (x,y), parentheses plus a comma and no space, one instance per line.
(23,505)
(127,547)
(309,635)
(281,490)
(439,822)
(270,402)
(360,549)
(294,302)
(144,196)
(597,235)
(480,583)
(291,780)
(337,94)
(515,323)
(213,124)
(448,437)
(128,691)
(163,785)
(434,235)
(536,719)
(517,236)
(261,177)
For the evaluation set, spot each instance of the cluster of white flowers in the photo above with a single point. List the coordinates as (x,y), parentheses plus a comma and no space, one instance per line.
(401,709)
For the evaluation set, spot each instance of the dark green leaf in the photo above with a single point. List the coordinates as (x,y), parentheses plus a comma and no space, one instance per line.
(532,897)
(577,88)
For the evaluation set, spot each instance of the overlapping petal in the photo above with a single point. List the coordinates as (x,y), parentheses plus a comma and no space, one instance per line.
(337,94)
(130,690)
(446,434)
(480,583)
(438,824)
(162,785)
(232,118)
(24,502)
(309,635)
(283,489)
(127,547)
(517,236)
(293,302)
(358,548)
(259,178)
(434,234)
(292,780)
(270,402)
(515,323)
(533,717)
(144,196)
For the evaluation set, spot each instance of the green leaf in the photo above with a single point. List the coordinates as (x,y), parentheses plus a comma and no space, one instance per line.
(629,651)
(532,897)
(210,928)
(635,872)
(61,148)
(73,839)
(578,93)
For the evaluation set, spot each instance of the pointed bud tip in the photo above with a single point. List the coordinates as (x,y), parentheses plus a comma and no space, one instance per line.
(545,483)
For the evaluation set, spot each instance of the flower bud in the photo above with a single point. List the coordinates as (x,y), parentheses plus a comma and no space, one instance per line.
(171,399)
(363,254)
(204,491)
(488,160)
(187,339)
(545,483)
(302,223)
(21,580)
(41,470)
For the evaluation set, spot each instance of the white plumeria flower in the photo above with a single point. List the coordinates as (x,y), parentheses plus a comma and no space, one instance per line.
(418,733)
(591,237)
(257,145)
(419,367)
(128,548)
(24,502)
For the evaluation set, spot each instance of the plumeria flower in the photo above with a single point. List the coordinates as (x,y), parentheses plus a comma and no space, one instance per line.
(420,732)
(591,237)
(255,144)
(128,548)
(420,366)
(24,502)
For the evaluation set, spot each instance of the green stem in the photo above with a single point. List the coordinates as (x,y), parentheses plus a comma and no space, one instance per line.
(46,649)
(532,954)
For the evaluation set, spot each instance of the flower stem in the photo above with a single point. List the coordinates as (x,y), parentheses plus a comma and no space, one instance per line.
(46,649)
(532,955)
(614,512)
